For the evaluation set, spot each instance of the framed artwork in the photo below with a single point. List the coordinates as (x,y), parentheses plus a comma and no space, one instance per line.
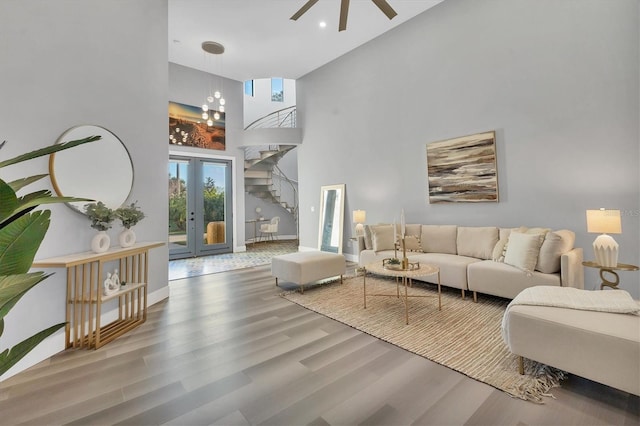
(463,170)
(188,127)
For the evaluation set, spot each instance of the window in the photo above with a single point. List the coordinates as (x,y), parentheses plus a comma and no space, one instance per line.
(277,90)
(248,88)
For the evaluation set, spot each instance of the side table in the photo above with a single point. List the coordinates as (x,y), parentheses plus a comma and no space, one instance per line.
(85,275)
(611,270)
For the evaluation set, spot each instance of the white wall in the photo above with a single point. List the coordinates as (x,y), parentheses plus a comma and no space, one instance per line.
(189,86)
(73,62)
(557,80)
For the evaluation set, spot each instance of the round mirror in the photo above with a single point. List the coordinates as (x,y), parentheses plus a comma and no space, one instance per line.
(100,170)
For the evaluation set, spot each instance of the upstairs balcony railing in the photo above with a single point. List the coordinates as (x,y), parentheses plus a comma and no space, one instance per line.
(285,117)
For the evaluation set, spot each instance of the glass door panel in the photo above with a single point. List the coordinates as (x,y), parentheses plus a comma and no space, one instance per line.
(181,223)
(214,217)
(200,207)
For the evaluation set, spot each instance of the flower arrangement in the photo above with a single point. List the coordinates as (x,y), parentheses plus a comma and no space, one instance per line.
(100,215)
(129,215)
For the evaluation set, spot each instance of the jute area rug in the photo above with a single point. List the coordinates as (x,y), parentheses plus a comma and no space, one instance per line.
(464,336)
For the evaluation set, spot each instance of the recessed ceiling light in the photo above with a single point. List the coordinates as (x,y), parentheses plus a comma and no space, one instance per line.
(323,24)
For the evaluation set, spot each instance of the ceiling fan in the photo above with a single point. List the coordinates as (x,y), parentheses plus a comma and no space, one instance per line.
(344,11)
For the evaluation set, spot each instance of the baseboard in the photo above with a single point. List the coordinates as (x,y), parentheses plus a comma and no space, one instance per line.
(56,343)
(240,249)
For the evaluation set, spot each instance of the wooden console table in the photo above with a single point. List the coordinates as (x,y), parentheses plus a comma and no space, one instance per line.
(85,275)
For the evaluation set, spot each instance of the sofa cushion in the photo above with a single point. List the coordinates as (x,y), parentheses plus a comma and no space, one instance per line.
(554,245)
(505,280)
(382,237)
(439,239)
(477,241)
(453,268)
(522,250)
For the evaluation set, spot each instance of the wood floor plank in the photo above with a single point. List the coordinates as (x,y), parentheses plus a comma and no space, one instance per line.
(227,349)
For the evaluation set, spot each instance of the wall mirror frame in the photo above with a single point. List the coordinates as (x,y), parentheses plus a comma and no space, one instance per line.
(330,233)
(100,170)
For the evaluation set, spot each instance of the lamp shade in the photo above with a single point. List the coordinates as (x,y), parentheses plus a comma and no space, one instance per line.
(359,216)
(604,221)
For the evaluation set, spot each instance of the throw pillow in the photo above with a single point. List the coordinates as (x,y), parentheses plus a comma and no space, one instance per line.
(498,250)
(554,245)
(412,243)
(368,242)
(522,251)
(524,230)
(477,241)
(382,237)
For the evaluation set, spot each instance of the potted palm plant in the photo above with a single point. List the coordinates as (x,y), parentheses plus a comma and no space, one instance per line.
(22,230)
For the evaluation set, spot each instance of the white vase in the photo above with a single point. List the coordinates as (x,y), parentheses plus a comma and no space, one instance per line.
(100,242)
(127,237)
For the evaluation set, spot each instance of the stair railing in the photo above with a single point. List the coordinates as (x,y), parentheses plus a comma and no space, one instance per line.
(281,176)
(285,117)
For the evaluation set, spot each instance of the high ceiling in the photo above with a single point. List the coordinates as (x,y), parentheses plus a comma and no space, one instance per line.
(261,41)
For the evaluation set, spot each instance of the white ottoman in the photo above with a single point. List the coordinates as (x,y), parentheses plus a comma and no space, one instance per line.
(307,266)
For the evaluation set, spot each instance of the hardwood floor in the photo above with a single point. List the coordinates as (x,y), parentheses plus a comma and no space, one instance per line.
(226,349)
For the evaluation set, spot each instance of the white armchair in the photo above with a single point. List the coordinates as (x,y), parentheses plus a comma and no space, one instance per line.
(269,230)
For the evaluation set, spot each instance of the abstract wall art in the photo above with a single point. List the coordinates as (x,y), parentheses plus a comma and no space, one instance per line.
(463,169)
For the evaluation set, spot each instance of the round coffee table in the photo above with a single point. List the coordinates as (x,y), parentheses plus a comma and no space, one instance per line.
(406,277)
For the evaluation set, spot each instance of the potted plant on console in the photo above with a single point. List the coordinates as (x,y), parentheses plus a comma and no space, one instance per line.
(101,217)
(129,216)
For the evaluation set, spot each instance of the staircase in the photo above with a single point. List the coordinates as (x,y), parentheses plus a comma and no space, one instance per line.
(264,179)
(262,176)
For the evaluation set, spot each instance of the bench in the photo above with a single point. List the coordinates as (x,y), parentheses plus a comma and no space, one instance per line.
(307,266)
(600,346)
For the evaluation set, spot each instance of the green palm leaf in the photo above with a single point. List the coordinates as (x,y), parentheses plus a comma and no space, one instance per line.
(18,184)
(20,240)
(13,287)
(31,203)
(47,150)
(10,357)
(8,199)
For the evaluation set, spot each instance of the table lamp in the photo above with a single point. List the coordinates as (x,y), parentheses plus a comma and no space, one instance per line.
(605,222)
(359,217)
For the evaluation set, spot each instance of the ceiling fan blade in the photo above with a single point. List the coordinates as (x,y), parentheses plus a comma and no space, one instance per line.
(344,12)
(303,9)
(385,8)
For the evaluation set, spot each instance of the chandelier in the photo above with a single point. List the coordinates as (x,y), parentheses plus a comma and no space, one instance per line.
(215,101)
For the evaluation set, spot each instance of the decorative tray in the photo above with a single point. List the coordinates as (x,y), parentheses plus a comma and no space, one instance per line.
(398,266)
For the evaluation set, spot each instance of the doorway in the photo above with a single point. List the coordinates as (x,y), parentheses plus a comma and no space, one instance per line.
(200,207)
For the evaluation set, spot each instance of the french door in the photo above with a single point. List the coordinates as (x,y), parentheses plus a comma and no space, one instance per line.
(200,207)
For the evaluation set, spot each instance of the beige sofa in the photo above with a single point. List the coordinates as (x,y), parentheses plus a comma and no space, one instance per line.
(487,260)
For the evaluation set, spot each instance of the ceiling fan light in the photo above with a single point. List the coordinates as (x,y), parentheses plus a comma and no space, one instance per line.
(221,108)
(222,101)
(205,116)
(216,115)
(209,122)
(205,107)
(217,95)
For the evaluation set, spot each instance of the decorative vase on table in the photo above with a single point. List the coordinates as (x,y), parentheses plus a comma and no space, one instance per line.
(127,237)
(100,242)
